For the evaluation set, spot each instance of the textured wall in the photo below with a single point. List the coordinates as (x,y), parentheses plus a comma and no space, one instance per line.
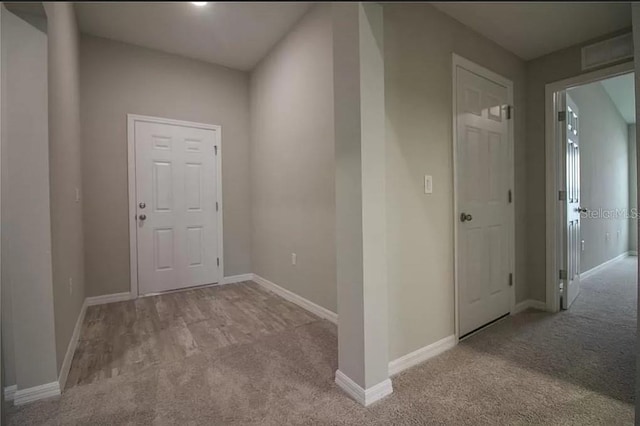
(65,162)
(633,187)
(604,175)
(293,164)
(26,223)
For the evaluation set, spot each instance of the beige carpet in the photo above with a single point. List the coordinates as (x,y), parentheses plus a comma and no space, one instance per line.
(576,367)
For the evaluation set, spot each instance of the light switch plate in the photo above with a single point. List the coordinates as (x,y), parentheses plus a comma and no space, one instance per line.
(428,184)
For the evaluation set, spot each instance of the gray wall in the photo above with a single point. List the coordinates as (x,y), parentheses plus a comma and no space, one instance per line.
(3,376)
(635,12)
(117,79)
(65,162)
(293,164)
(418,42)
(604,175)
(633,188)
(26,223)
(547,69)
(360,146)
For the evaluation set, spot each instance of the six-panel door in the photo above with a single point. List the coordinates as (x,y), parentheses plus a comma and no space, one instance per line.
(176,193)
(573,235)
(482,181)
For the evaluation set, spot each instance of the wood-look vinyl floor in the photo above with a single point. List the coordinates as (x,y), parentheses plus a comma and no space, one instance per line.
(124,337)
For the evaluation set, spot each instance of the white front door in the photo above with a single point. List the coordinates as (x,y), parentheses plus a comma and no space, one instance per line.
(482,172)
(176,194)
(570,130)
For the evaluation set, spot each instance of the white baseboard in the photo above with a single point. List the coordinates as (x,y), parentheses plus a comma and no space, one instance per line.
(236,279)
(48,390)
(24,396)
(45,391)
(529,303)
(10,392)
(121,297)
(298,300)
(108,298)
(35,393)
(590,272)
(71,348)
(421,355)
(365,397)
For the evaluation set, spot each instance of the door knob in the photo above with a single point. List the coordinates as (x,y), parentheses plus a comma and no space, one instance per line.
(465,217)
(582,210)
(142,217)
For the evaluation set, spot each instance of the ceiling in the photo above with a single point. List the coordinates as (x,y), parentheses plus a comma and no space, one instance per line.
(239,34)
(30,8)
(621,89)
(531,30)
(233,34)
(30,12)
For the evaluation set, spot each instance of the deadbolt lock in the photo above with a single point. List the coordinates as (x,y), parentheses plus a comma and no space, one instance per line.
(142,205)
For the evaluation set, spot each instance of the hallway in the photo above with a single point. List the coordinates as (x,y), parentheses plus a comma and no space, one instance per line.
(576,367)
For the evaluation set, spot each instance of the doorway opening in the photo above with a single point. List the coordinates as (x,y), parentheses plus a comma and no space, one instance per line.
(600,134)
(591,191)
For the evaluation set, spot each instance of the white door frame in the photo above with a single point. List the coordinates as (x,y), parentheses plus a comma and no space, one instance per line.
(554,209)
(459,61)
(133,238)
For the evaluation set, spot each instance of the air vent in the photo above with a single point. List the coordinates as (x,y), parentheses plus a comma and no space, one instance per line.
(608,51)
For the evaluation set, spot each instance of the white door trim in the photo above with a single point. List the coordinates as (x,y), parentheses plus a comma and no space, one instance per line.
(133,242)
(552,173)
(496,78)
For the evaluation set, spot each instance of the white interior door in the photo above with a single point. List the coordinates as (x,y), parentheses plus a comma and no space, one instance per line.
(571,252)
(176,194)
(482,172)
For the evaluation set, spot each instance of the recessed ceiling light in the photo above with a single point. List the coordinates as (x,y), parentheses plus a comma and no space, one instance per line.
(199,3)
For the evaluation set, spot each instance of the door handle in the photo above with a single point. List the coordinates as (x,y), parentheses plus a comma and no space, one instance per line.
(142,217)
(465,217)
(582,210)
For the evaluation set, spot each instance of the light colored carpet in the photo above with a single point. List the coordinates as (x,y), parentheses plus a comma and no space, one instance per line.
(576,367)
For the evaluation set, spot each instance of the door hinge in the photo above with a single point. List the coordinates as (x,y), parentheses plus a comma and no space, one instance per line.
(216,206)
(509,112)
(562,115)
(509,196)
(215,149)
(218,260)
(510,279)
(563,274)
(562,195)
